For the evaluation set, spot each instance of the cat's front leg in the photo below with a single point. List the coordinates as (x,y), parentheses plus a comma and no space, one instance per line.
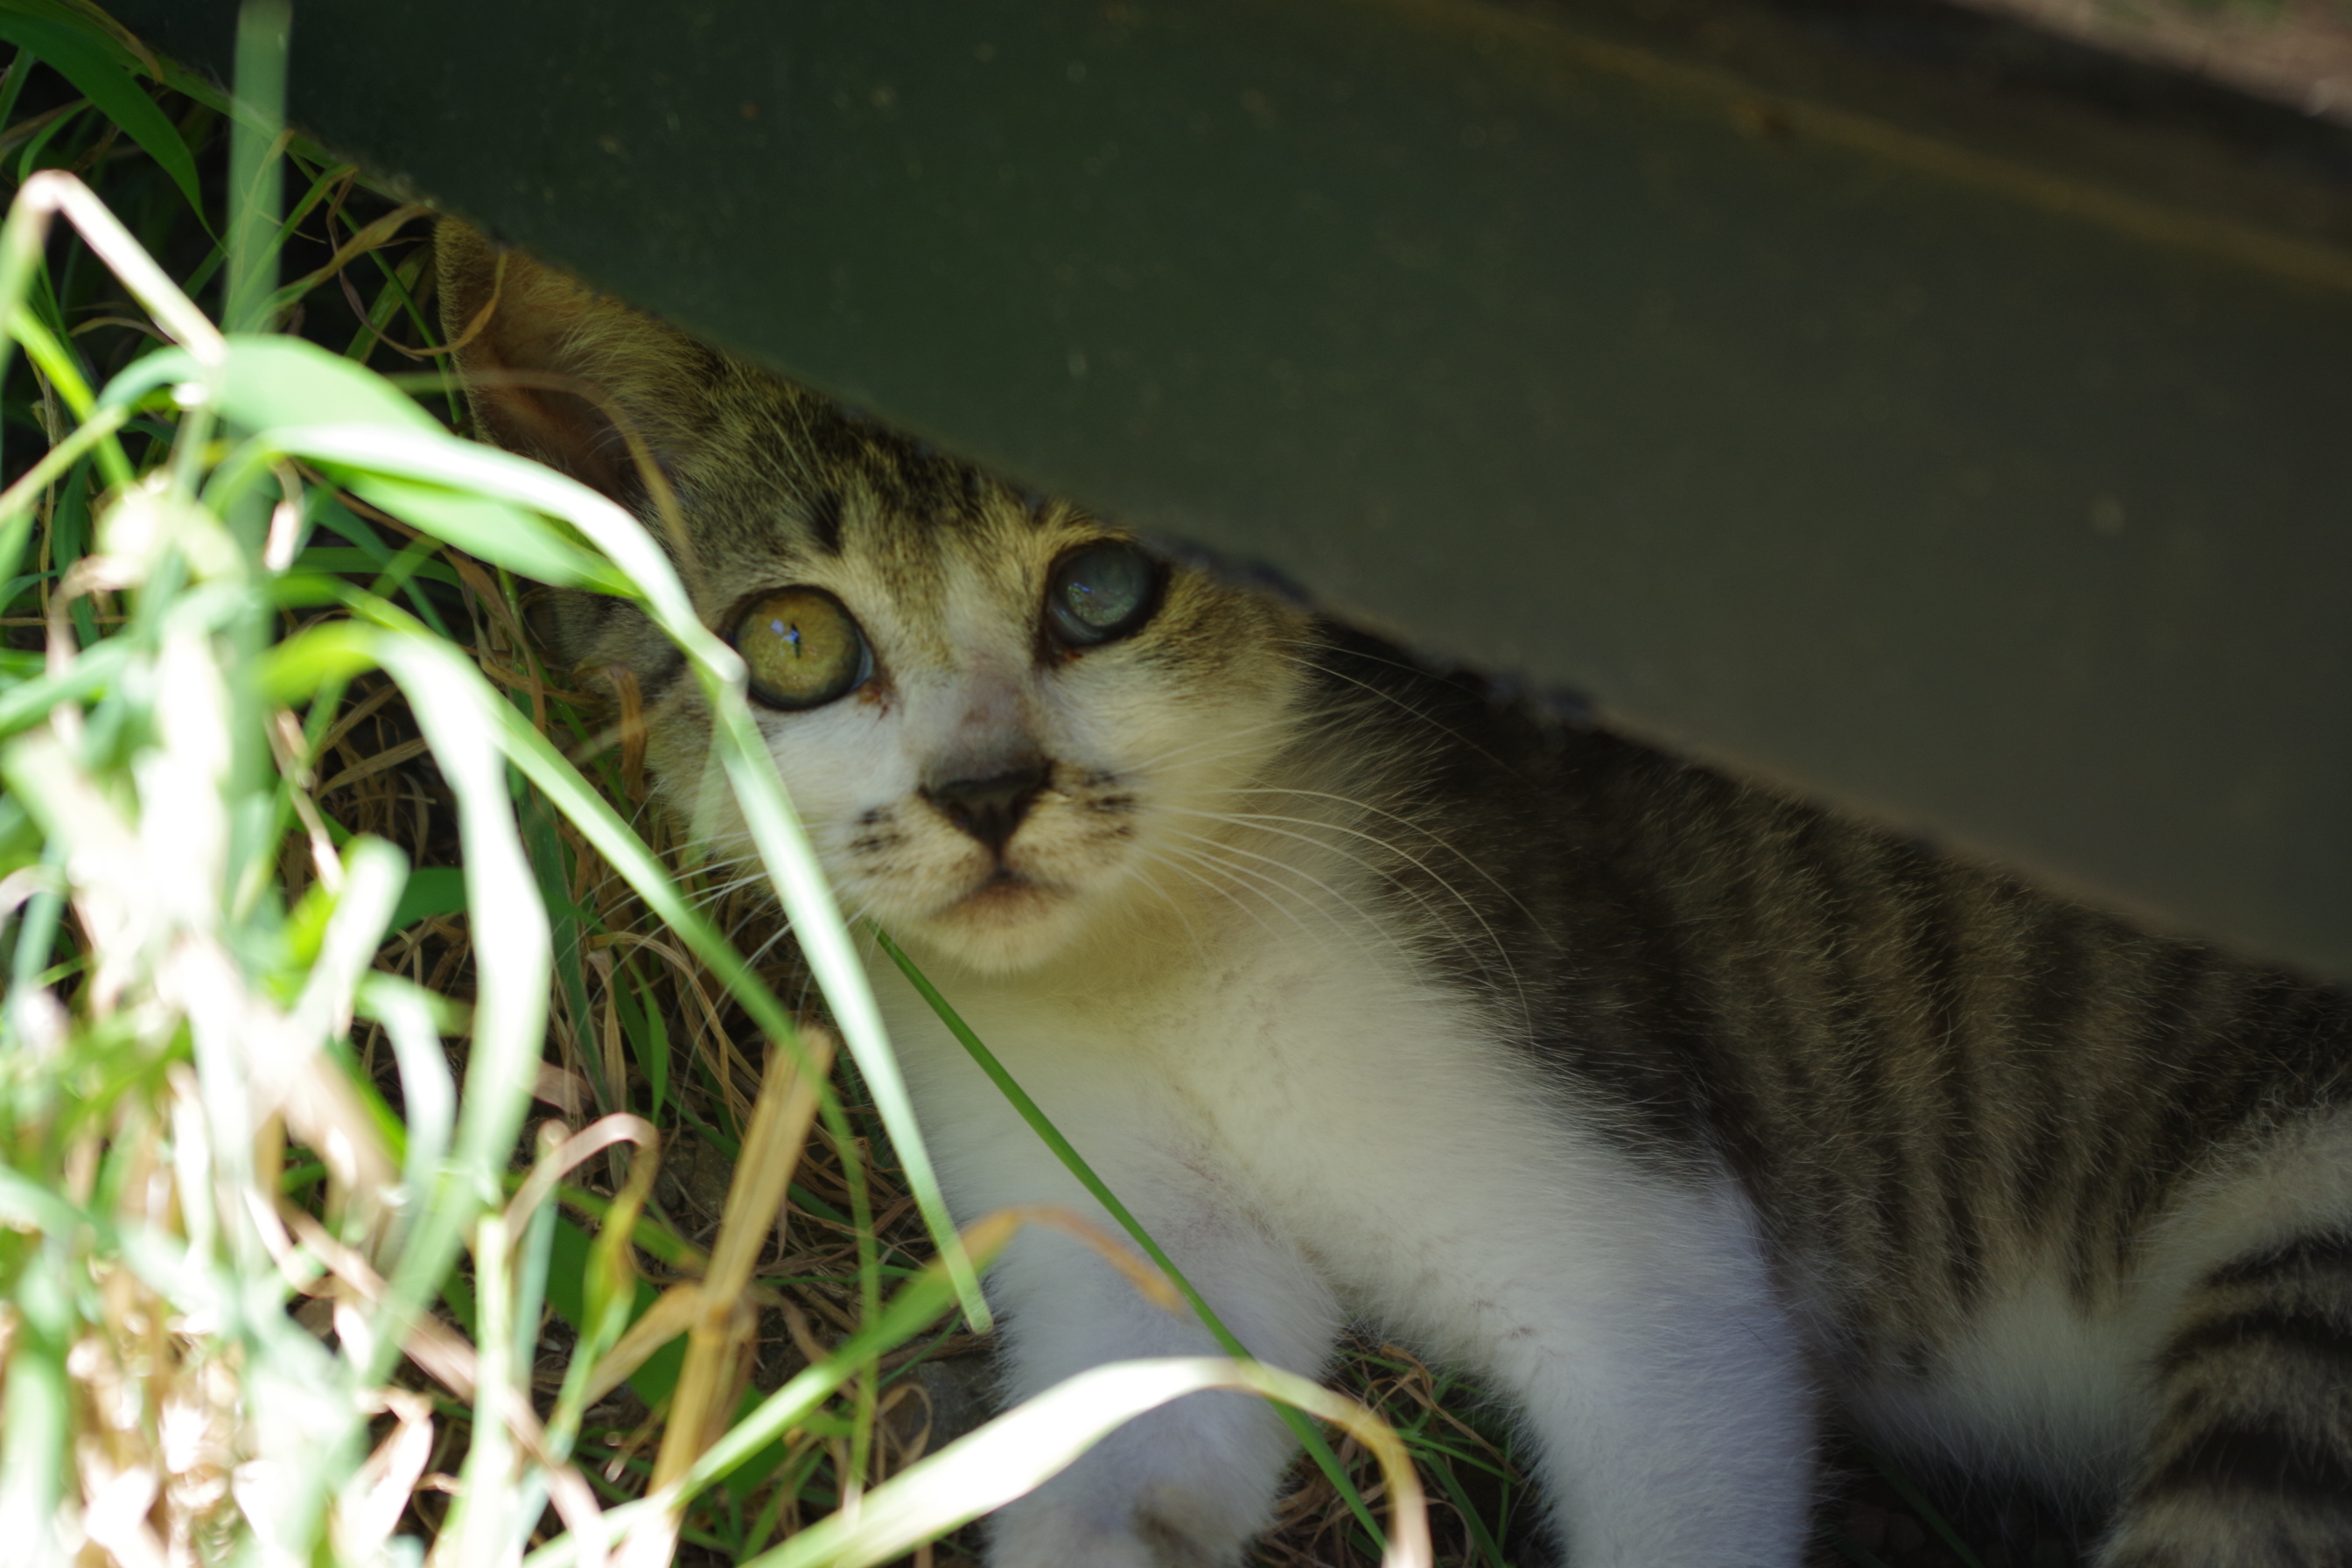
(1677,1432)
(1686,1443)
(1666,1381)
(1188,1485)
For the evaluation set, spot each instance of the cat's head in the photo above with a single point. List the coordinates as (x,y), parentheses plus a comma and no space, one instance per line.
(1004,723)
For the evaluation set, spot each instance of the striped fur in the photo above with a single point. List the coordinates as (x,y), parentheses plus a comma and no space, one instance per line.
(1948,1091)
(1675,1106)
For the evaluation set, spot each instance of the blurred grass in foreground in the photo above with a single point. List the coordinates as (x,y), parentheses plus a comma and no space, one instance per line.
(312,881)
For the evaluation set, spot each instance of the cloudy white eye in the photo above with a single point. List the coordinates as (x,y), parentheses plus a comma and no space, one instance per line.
(804,648)
(1100,593)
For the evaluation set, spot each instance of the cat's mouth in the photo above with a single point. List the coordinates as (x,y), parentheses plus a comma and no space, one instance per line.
(1006,892)
(1001,921)
(1003,905)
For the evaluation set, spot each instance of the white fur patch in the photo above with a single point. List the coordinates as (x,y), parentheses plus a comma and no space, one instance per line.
(1310,1131)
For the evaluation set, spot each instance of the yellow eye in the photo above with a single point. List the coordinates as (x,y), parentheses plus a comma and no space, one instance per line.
(804,649)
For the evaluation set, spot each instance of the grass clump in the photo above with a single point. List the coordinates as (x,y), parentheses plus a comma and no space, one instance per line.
(315,880)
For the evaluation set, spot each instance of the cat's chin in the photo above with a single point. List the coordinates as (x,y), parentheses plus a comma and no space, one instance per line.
(1006,925)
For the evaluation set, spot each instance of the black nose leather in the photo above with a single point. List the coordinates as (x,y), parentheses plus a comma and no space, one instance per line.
(990,808)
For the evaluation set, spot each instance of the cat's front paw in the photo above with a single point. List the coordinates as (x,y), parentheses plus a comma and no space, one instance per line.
(1171,1528)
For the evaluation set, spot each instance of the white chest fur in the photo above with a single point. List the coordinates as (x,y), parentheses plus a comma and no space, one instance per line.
(1312,1131)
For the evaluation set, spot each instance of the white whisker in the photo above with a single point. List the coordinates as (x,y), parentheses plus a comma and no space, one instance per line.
(1263,822)
(1500,886)
(1232,892)
(1216,853)
(1392,699)
(1199,951)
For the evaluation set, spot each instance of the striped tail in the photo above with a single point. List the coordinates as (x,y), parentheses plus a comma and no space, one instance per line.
(2250,1464)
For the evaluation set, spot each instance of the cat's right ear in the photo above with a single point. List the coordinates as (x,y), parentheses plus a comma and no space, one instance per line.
(554,370)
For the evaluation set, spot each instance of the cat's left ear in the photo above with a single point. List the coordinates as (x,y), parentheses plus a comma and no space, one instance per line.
(556,371)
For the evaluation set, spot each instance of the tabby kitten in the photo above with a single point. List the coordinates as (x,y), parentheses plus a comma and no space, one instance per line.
(1673,1106)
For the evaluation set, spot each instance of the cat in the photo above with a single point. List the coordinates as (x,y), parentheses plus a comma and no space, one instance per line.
(1679,1111)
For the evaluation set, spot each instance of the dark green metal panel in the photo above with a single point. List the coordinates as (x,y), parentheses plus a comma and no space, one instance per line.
(1980,458)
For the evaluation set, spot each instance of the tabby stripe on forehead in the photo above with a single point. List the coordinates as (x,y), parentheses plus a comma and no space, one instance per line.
(825,520)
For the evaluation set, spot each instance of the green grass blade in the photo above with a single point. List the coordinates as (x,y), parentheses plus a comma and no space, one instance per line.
(63,367)
(86,63)
(19,69)
(428,1095)
(36,1408)
(1031,1442)
(256,173)
(1481,1537)
(29,702)
(477,1530)
(513,956)
(918,1304)
(16,502)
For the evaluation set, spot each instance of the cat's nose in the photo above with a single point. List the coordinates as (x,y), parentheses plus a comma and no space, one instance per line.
(989,808)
